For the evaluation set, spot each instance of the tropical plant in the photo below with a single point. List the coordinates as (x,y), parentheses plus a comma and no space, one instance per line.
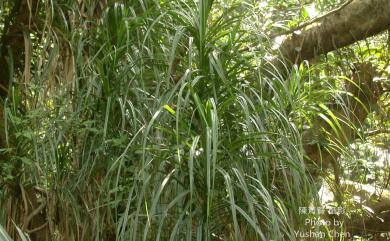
(156,120)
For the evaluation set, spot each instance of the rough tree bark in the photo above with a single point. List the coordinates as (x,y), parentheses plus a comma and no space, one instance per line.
(356,20)
(353,21)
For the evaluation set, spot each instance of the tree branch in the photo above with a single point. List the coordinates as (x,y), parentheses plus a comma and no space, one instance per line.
(353,21)
(311,21)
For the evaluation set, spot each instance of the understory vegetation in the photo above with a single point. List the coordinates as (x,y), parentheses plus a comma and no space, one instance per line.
(178,120)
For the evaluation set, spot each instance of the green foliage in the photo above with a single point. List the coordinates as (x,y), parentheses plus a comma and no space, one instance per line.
(153,120)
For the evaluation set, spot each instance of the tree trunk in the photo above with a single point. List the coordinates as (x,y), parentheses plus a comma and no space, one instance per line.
(356,20)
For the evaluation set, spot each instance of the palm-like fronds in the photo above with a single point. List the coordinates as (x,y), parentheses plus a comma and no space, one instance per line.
(155,127)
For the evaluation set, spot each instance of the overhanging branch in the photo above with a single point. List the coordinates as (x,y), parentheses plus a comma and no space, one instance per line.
(357,20)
